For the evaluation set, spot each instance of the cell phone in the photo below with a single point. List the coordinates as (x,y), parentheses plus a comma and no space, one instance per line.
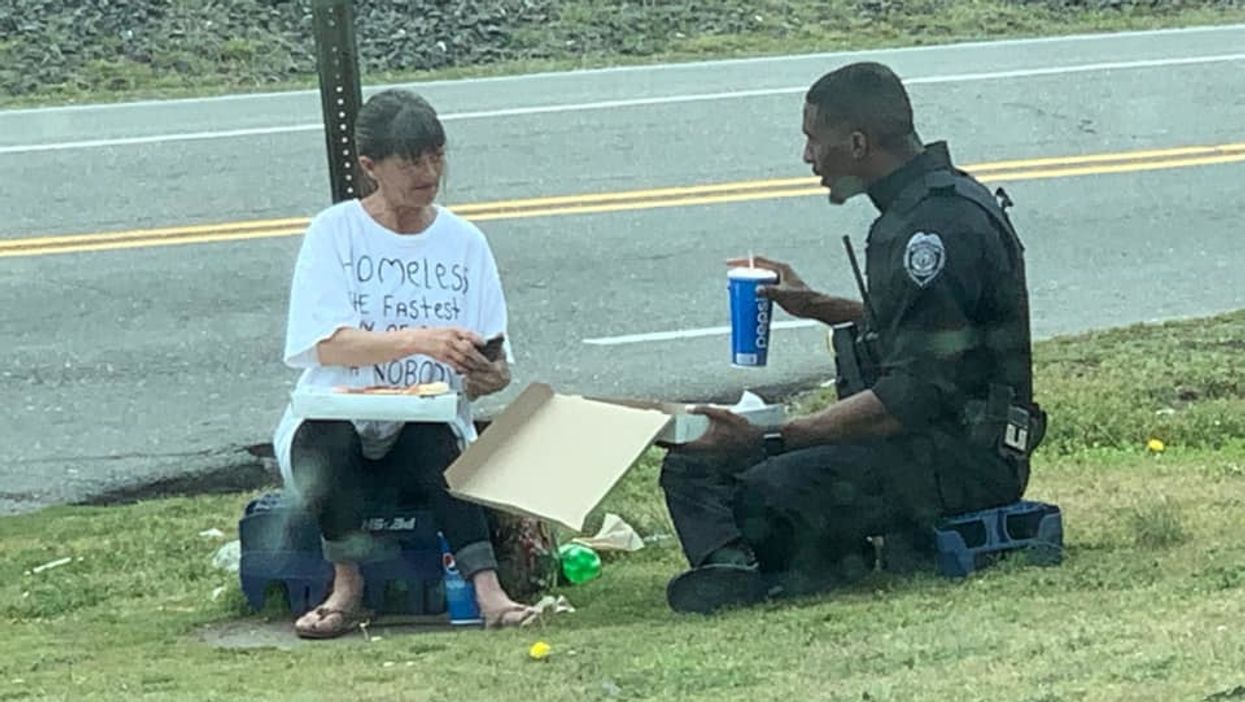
(493,348)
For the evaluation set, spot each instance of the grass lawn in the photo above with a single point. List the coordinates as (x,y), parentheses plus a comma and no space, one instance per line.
(1147,606)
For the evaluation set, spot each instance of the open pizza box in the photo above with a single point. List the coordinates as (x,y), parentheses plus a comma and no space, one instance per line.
(555,457)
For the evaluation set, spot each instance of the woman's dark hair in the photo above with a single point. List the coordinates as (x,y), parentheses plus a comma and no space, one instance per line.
(399,123)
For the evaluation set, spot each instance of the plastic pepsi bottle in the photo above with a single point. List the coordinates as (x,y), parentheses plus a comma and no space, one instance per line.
(460,595)
(579,563)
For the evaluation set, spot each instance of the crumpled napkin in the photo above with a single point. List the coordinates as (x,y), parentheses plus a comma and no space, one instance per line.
(615,535)
(554,605)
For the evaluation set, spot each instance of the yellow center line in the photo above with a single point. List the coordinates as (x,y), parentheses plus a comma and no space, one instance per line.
(1116,168)
(1125,156)
(299,222)
(651,194)
(652,204)
(681,196)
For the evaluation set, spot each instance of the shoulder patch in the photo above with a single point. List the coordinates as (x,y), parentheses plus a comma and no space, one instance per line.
(924,258)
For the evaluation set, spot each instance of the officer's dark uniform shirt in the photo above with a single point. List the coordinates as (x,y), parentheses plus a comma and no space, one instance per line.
(947,289)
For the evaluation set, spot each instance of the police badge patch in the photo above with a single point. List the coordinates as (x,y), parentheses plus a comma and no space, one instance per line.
(924,258)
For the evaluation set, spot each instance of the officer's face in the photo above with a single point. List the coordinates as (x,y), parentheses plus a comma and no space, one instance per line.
(835,154)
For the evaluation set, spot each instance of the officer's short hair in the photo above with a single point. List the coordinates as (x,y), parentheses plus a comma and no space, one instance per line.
(865,96)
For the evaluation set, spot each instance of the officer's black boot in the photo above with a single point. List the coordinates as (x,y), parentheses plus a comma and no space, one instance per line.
(728,577)
(737,553)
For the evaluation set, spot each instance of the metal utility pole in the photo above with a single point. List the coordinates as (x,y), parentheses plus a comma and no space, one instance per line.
(341,94)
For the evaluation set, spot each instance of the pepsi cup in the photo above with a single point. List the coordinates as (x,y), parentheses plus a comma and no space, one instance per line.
(460,595)
(750,316)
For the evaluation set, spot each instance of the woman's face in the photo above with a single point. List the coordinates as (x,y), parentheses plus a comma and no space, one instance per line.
(405,183)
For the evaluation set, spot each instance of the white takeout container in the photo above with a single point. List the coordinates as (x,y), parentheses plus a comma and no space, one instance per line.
(689,427)
(327,404)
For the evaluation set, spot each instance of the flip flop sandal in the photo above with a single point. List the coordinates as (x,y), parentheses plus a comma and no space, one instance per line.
(347,621)
(530,615)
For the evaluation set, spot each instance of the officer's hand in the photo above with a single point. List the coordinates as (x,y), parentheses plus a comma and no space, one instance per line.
(728,435)
(791,293)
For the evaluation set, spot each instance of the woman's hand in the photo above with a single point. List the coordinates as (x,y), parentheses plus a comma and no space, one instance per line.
(486,382)
(455,347)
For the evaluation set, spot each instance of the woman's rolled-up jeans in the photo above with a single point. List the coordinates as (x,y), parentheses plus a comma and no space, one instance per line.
(337,484)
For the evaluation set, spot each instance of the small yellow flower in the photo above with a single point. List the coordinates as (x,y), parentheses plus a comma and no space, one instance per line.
(539,651)
(1156,446)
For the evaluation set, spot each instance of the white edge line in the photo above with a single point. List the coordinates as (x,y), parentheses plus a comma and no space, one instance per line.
(687,334)
(1082,68)
(635,102)
(160,138)
(1000,43)
(448,117)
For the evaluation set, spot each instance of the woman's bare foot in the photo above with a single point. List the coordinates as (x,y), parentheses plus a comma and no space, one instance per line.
(496,607)
(340,612)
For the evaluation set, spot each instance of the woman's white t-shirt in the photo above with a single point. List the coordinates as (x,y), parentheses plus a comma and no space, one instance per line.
(353,272)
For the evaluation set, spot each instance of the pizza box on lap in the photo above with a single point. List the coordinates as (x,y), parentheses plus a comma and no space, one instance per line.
(418,403)
(555,457)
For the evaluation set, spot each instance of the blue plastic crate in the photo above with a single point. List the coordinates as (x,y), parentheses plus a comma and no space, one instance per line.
(969,542)
(280,545)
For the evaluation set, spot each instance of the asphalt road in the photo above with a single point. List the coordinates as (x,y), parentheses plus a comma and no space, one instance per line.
(129,365)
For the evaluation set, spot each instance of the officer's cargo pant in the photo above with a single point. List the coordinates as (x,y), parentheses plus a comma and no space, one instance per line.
(810,511)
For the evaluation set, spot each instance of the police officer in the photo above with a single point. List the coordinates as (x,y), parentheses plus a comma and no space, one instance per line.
(942,421)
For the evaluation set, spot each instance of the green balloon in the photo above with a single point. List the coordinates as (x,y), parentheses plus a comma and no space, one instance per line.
(579,563)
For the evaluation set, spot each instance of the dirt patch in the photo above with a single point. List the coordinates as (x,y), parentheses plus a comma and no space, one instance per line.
(260,633)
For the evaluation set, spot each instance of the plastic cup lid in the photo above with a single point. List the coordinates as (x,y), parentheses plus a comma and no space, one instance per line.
(752,274)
